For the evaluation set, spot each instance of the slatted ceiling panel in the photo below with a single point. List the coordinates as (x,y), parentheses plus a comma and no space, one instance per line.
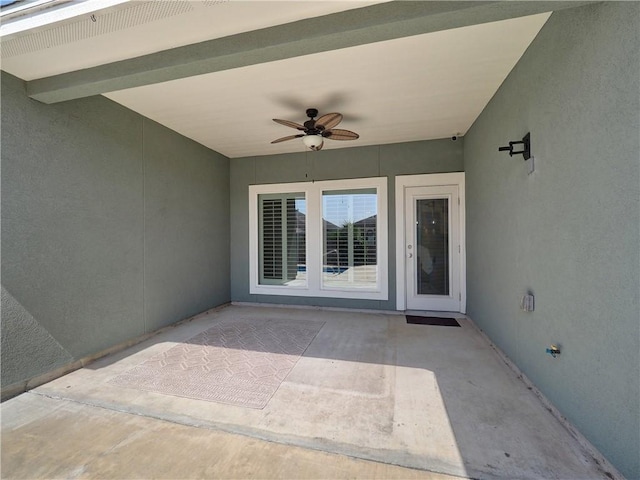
(111,21)
(272,239)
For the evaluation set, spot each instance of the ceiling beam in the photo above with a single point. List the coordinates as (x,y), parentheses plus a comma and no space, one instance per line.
(380,22)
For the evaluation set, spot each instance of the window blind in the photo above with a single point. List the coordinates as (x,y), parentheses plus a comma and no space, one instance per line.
(282,239)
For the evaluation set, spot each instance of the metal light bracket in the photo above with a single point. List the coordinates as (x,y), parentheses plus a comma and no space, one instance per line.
(554,351)
(526,147)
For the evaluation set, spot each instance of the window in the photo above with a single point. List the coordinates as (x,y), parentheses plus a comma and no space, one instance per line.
(349,220)
(322,239)
(282,245)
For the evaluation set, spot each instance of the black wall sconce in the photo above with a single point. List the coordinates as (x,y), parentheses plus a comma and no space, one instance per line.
(526,147)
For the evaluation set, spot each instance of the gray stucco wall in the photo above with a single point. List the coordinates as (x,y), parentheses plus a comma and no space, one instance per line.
(112,226)
(186,238)
(570,232)
(437,156)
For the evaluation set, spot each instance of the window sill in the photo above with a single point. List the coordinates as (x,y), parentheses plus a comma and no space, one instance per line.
(324,293)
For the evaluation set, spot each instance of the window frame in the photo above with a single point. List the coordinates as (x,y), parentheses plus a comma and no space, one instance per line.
(314,239)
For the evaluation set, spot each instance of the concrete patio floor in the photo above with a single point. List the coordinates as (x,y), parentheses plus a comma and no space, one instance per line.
(372,397)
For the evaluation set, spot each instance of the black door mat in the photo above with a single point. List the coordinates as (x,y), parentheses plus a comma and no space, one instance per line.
(443,322)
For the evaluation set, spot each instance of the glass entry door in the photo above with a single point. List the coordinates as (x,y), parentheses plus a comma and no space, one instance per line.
(432,250)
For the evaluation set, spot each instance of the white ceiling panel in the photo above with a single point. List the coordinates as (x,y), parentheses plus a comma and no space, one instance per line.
(415,88)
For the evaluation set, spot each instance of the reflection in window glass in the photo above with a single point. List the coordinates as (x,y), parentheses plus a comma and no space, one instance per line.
(349,254)
(432,246)
(282,237)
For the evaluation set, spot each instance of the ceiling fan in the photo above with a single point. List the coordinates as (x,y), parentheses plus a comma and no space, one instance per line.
(315,131)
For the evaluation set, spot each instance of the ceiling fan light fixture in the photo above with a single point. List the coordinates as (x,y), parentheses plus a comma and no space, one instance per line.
(313,141)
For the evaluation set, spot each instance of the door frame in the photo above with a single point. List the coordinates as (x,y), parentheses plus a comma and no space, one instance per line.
(427,180)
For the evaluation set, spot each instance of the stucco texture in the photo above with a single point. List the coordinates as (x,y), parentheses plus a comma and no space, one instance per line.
(568,233)
(436,156)
(81,227)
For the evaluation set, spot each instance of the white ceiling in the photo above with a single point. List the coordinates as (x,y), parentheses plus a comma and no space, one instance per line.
(413,88)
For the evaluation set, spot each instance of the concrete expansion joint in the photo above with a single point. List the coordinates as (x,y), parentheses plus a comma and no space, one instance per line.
(314,444)
(114,408)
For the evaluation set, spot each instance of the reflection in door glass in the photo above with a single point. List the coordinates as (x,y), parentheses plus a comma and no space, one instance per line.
(432,241)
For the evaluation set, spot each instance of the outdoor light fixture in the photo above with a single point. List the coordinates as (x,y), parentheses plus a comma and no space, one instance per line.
(526,147)
(314,142)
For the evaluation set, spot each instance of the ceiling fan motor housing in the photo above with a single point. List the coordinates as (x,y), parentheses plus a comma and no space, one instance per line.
(310,125)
